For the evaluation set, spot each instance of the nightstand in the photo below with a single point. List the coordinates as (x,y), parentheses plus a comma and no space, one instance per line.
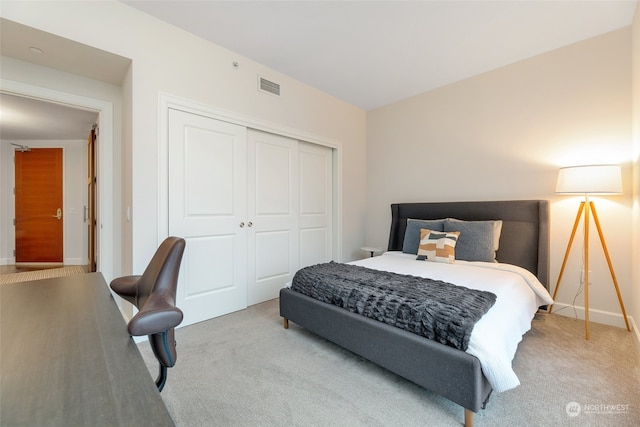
(372,250)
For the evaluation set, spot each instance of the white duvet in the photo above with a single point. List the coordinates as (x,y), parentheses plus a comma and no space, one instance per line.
(496,335)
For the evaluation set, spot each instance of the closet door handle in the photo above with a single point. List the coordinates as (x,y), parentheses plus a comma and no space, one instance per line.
(242,225)
(250,224)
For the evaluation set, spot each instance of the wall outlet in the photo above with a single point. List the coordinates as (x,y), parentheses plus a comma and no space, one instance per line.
(582,277)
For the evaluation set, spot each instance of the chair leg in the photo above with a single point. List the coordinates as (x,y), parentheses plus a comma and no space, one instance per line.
(162,377)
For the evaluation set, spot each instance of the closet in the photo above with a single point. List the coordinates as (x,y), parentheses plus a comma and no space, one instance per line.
(253,206)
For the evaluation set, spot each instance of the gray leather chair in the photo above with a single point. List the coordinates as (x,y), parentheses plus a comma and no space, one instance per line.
(154,294)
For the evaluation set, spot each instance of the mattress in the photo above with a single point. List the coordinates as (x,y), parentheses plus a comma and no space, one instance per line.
(496,335)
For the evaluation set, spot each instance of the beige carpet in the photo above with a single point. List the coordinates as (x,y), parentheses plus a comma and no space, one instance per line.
(41,274)
(244,370)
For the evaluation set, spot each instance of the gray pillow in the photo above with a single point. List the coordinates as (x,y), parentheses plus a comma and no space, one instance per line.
(478,240)
(412,233)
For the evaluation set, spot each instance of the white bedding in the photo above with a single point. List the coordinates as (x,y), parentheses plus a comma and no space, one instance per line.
(496,335)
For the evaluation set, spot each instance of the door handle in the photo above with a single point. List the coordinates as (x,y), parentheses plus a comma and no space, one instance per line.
(58,214)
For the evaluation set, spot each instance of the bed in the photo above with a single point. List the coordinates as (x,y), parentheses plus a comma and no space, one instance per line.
(450,372)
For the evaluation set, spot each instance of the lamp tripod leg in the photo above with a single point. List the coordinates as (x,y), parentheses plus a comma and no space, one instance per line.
(606,254)
(566,254)
(585,286)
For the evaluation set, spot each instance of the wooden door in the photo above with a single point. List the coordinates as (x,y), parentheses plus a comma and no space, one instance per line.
(38,197)
(272,167)
(208,208)
(90,209)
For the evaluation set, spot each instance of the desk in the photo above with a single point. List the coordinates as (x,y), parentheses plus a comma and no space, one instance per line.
(66,358)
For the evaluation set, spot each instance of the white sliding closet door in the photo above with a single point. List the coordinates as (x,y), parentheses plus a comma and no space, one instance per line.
(253,207)
(207,206)
(273,213)
(316,204)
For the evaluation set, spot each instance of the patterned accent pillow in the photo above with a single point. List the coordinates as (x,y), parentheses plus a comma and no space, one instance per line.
(437,246)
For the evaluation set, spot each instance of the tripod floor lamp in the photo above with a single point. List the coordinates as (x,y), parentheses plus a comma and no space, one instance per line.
(600,180)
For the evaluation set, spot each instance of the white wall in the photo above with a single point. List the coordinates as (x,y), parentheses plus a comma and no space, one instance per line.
(7,209)
(168,60)
(74,199)
(503,135)
(635,310)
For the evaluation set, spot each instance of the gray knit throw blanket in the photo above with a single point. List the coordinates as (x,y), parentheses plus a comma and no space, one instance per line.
(434,309)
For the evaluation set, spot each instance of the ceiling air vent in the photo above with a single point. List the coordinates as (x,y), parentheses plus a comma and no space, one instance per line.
(265,85)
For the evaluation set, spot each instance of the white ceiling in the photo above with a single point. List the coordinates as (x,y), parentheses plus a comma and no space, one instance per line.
(367,53)
(26,119)
(372,53)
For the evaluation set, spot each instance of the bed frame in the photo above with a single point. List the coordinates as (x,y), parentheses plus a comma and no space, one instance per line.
(451,373)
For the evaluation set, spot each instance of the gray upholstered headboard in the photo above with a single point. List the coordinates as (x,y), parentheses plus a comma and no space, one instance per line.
(525,228)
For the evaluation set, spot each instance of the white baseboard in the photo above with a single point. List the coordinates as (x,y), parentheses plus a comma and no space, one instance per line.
(75,261)
(67,261)
(635,329)
(597,316)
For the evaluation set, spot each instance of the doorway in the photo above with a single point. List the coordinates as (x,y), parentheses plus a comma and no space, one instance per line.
(104,201)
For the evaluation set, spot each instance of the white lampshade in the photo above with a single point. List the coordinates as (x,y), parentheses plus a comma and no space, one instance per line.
(594,179)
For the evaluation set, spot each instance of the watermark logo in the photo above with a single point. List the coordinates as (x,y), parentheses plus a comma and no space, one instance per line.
(573,409)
